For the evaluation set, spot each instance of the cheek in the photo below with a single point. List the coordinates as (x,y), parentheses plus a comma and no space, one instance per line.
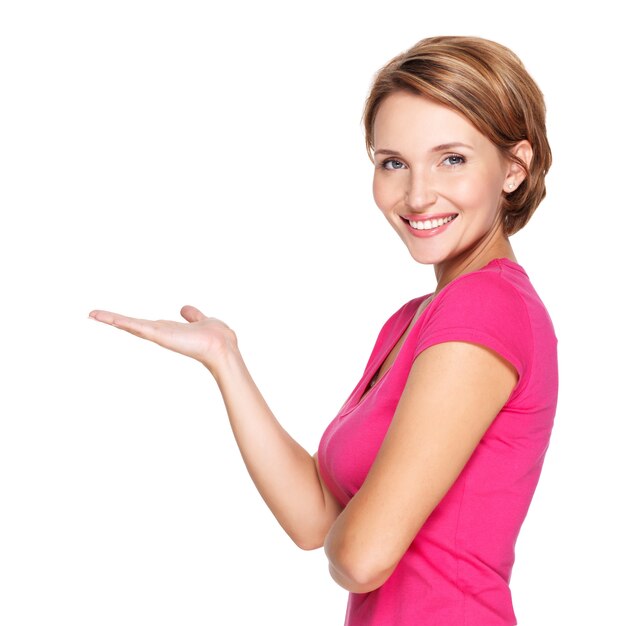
(477,193)
(377,191)
(385,193)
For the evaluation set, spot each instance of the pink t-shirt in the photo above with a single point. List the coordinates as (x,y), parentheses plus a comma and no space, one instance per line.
(456,572)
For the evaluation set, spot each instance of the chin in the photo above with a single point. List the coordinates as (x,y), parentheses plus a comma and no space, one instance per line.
(427,258)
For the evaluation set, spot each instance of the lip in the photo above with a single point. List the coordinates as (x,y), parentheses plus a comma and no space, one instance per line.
(422,218)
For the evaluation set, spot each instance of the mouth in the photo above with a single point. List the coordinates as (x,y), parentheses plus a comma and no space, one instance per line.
(431,223)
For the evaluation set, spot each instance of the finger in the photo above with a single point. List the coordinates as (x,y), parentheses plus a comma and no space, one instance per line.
(191,314)
(104,316)
(141,328)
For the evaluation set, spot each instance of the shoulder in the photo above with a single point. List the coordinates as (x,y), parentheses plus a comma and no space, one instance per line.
(488,290)
(486,307)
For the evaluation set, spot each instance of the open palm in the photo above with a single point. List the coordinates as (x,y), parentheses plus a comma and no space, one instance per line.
(202,338)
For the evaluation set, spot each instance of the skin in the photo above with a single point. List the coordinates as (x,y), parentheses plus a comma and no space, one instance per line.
(413,180)
(454,389)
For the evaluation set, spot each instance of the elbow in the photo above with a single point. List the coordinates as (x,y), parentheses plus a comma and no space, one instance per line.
(357,572)
(308,534)
(307,543)
(310,539)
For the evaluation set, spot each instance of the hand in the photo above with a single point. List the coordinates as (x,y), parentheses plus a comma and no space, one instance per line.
(205,339)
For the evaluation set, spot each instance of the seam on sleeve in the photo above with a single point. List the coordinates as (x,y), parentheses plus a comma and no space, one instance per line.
(471,335)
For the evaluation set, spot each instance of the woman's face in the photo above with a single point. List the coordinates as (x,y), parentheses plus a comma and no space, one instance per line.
(438,180)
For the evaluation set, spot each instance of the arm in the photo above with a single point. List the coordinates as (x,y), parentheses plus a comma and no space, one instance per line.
(285,474)
(453,393)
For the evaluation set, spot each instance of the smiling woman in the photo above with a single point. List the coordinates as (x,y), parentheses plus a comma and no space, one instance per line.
(421,483)
(487,85)
(431,182)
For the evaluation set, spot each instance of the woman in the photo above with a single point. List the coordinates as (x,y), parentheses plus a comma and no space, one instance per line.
(421,483)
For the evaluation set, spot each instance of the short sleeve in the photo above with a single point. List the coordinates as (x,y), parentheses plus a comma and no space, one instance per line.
(485,309)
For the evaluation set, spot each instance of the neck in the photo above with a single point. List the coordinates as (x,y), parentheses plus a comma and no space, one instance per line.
(495,246)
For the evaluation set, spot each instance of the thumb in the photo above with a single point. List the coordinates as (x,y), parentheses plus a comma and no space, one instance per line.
(191,314)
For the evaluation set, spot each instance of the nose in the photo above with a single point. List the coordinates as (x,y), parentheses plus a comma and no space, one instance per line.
(420,193)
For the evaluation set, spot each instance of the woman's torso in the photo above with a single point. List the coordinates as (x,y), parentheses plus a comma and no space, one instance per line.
(458,567)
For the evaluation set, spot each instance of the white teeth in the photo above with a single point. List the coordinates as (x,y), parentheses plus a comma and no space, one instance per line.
(428,224)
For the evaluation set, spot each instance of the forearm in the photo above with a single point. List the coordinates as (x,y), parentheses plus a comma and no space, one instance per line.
(283,471)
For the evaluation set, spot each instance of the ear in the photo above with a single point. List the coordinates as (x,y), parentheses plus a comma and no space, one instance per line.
(515,173)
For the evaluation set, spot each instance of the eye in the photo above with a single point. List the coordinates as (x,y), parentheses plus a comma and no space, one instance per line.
(392,164)
(454,159)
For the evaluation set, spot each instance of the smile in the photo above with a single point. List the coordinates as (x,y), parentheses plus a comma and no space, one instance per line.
(430,223)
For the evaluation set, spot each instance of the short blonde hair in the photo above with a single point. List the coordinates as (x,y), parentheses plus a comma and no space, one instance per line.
(487,83)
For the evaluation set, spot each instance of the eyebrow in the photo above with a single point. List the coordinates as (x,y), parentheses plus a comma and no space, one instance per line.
(439,148)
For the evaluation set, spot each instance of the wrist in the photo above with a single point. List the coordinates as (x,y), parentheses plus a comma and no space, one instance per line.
(223,359)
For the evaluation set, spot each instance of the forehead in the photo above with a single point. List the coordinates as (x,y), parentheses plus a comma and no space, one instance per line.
(405,118)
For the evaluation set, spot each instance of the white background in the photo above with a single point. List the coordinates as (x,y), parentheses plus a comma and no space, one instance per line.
(156,154)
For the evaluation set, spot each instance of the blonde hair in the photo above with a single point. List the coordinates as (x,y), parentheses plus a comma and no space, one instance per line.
(488,84)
